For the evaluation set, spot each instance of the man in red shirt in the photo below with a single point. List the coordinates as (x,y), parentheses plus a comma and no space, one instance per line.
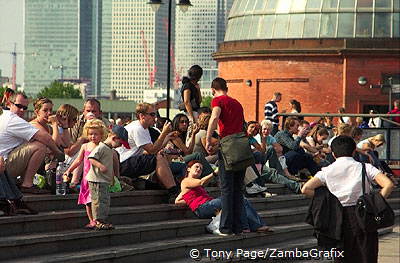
(228,114)
(396,110)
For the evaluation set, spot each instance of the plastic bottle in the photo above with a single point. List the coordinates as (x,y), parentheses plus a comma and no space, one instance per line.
(59,179)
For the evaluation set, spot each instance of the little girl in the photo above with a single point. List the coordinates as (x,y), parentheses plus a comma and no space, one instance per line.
(95,131)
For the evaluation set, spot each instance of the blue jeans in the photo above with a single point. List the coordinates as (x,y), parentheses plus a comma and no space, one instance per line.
(249,217)
(231,198)
(272,175)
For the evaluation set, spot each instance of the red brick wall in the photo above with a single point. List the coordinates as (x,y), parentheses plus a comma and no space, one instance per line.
(320,83)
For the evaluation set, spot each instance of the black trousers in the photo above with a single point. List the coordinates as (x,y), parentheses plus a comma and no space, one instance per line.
(359,246)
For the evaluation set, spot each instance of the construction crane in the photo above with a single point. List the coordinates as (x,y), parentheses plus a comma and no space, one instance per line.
(151,73)
(177,77)
(14,65)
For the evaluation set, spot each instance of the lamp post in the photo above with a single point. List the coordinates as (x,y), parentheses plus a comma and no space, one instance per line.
(184,6)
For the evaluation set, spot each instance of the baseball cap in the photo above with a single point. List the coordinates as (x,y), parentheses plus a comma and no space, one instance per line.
(122,134)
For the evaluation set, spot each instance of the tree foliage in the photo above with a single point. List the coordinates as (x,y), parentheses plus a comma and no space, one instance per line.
(206,101)
(60,90)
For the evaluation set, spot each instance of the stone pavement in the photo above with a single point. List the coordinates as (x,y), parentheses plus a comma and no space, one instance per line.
(389,247)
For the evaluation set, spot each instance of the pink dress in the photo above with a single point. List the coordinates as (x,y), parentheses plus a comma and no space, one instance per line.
(84,193)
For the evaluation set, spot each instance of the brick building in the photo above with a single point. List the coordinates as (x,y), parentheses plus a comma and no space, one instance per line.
(311,51)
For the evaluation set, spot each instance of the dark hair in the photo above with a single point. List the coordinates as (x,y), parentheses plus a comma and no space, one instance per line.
(175,125)
(290,122)
(356,132)
(302,122)
(93,101)
(343,146)
(219,84)
(195,72)
(190,164)
(296,105)
(204,110)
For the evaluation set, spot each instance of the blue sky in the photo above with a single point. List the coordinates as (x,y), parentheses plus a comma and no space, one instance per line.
(11,30)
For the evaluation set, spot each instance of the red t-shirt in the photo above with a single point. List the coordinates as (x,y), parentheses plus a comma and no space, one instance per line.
(395,111)
(231,118)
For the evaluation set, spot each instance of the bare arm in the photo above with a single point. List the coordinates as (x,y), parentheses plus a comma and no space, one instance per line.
(179,200)
(192,182)
(310,186)
(77,161)
(386,184)
(98,164)
(188,105)
(45,138)
(74,148)
(161,141)
(212,126)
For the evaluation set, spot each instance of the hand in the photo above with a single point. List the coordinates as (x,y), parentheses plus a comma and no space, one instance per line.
(53,119)
(103,169)
(209,146)
(167,127)
(173,135)
(196,129)
(302,131)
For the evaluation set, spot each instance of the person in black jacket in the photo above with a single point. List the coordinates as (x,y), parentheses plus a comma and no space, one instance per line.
(190,92)
(343,178)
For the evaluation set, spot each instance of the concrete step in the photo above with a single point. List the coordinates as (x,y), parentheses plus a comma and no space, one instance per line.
(62,241)
(157,251)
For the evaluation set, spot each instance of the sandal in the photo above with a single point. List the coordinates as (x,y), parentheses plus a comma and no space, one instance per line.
(103,226)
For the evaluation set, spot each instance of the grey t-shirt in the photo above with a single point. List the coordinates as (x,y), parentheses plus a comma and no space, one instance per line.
(103,154)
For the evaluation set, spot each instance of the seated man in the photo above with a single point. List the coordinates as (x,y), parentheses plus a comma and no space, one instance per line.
(296,158)
(135,162)
(23,146)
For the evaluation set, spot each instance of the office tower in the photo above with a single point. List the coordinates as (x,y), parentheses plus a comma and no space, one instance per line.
(198,32)
(139,47)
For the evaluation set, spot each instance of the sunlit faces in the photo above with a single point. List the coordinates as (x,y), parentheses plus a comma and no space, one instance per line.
(95,135)
(195,170)
(253,129)
(265,130)
(19,106)
(183,124)
(321,138)
(91,108)
(294,129)
(44,112)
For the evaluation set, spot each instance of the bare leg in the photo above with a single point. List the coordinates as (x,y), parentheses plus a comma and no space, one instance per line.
(89,212)
(115,164)
(164,173)
(37,157)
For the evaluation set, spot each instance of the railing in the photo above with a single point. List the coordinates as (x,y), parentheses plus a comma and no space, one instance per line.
(390,151)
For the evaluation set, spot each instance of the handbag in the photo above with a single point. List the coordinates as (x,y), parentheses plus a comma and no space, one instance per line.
(236,152)
(372,210)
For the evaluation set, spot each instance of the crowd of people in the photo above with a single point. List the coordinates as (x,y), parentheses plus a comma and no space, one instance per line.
(181,155)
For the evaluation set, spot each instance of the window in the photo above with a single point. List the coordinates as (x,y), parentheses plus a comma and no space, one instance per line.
(364,25)
(347,4)
(313,4)
(346,25)
(296,25)
(281,26)
(382,25)
(328,25)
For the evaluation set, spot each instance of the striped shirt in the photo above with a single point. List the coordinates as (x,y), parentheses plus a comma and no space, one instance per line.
(271,112)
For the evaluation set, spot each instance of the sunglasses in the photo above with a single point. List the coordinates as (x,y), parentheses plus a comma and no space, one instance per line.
(152,114)
(20,106)
(184,121)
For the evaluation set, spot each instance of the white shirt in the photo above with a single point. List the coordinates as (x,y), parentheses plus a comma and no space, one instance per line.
(14,131)
(137,138)
(375,122)
(361,143)
(344,179)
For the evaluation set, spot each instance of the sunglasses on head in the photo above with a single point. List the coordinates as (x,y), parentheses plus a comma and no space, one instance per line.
(20,106)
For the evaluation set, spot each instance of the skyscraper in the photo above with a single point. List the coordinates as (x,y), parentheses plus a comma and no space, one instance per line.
(52,32)
(139,47)
(72,40)
(198,33)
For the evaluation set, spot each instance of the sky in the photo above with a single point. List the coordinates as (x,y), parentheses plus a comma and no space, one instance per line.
(11,31)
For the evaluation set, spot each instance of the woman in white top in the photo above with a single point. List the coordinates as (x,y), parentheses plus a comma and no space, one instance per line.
(374,122)
(343,178)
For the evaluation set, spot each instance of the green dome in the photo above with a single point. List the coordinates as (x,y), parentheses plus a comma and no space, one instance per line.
(313,19)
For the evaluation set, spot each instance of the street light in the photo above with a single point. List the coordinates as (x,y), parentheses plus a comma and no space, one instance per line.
(184,6)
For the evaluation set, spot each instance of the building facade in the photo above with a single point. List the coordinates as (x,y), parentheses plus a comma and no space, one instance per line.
(313,51)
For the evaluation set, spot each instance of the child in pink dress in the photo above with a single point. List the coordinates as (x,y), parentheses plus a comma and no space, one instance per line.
(95,131)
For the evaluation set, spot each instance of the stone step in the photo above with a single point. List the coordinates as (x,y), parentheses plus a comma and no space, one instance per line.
(44,203)
(157,251)
(65,240)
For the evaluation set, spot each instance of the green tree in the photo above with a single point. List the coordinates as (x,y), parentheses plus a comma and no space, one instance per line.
(206,102)
(2,91)
(60,90)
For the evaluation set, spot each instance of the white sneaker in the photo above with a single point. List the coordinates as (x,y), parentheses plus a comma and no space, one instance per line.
(282,161)
(218,233)
(268,194)
(255,189)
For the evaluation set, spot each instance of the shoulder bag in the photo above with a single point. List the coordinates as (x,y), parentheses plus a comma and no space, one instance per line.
(236,152)
(372,210)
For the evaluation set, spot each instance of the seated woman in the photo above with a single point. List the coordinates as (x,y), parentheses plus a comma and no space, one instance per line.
(200,139)
(204,206)
(368,148)
(317,140)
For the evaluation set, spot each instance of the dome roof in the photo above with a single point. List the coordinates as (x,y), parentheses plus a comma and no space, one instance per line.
(313,19)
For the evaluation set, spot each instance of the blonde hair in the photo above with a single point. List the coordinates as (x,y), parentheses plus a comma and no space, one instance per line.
(378,138)
(204,119)
(95,124)
(68,111)
(344,129)
(266,123)
(143,108)
(39,102)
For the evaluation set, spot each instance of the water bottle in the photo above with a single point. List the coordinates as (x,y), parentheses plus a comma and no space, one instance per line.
(59,179)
